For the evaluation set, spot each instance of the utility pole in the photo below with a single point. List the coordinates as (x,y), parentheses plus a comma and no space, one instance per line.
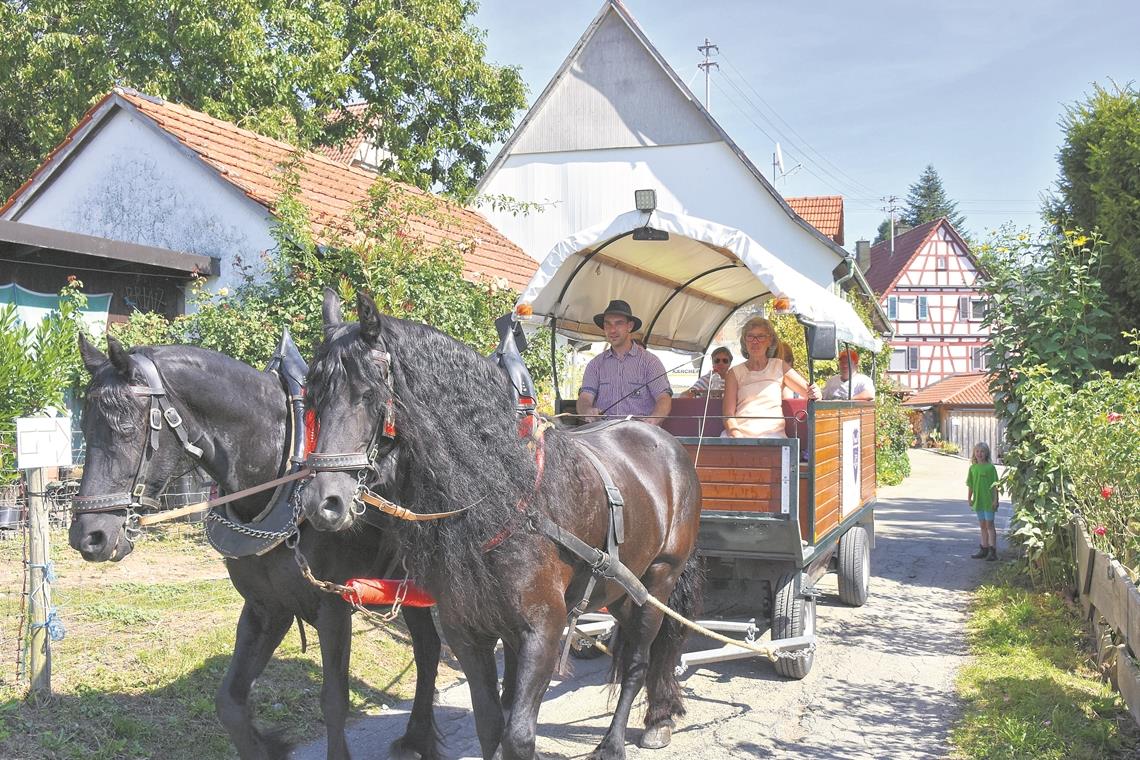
(706,65)
(892,206)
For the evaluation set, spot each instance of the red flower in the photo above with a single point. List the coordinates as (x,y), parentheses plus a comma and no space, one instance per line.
(1114,416)
(1106,492)
(71,278)
(1100,530)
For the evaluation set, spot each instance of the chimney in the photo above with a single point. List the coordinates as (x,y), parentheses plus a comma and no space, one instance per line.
(863,255)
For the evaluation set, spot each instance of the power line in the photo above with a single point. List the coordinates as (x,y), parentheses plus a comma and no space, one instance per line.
(707,65)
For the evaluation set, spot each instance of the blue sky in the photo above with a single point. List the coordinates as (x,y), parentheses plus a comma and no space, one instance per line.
(866,94)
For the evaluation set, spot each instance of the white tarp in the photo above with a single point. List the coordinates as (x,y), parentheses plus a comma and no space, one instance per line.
(720,268)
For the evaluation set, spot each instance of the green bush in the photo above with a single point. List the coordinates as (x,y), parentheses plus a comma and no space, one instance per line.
(37,366)
(892,439)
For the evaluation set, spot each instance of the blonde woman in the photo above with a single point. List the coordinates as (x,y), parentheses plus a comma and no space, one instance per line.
(753,390)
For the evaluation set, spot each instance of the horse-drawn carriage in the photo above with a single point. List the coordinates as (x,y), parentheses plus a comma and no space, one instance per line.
(777,513)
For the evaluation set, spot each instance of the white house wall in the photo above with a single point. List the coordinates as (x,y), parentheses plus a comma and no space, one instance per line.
(579,189)
(946,339)
(129,182)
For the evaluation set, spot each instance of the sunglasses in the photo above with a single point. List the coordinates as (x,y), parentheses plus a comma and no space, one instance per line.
(722,361)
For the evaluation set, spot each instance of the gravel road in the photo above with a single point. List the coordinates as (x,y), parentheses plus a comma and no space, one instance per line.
(881,686)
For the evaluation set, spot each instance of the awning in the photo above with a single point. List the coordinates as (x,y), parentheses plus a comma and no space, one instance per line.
(684,288)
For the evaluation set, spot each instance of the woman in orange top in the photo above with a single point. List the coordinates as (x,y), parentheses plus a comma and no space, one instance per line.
(753,390)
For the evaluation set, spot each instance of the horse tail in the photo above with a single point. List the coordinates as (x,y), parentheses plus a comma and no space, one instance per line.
(662,689)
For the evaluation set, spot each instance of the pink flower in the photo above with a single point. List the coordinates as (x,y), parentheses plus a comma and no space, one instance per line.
(71,278)
(1100,530)
(1114,416)
(1106,492)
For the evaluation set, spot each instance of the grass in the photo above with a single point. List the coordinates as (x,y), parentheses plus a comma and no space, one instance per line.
(1032,690)
(148,641)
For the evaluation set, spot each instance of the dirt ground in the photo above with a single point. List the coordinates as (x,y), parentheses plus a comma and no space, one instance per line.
(883,680)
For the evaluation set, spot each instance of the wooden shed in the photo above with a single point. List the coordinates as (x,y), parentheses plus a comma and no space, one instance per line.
(961,409)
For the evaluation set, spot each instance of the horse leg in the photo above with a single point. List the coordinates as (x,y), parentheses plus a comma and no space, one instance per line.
(536,658)
(477,657)
(334,630)
(663,691)
(258,635)
(510,676)
(420,739)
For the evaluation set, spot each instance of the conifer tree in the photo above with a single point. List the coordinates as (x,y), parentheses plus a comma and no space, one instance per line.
(926,201)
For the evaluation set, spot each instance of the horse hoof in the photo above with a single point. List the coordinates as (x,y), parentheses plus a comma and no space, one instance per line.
(657,737)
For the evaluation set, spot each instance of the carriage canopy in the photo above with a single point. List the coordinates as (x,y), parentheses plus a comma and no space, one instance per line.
(684,287)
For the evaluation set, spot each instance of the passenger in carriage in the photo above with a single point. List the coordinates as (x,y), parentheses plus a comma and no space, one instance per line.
(625,379)
(850,384)
(712,382)
(753,390)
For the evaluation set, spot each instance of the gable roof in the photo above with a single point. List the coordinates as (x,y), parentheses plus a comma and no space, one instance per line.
(885,267)
(824,212)
(331,191)
(693,114)
(344,152)
(957,390)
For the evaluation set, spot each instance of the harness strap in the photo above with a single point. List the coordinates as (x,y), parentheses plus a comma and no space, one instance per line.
(203,506)
(390,508)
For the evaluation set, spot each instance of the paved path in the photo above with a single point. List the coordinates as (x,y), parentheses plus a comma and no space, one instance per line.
(881,686)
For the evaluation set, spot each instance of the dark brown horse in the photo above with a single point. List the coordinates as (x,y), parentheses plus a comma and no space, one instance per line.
(237,418)
(433,424)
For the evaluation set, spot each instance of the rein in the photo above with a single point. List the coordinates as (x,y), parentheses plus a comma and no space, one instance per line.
(203,506)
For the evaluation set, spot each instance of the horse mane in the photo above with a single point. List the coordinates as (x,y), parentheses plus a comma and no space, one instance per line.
(457,445)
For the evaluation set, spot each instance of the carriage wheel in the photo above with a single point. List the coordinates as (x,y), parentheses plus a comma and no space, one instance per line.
(854,567)
(792,616)
(581,648)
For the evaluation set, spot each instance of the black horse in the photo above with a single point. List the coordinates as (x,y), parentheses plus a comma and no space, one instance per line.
(434,423)
(237,418)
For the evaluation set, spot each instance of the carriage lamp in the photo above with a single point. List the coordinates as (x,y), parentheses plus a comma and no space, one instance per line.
(645,200)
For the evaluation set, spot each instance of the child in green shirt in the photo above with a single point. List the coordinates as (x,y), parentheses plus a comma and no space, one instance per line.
(982,495)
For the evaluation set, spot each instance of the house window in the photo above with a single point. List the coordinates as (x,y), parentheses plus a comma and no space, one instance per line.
(940,263)
(907,310)
(898,360)
(923,308)
(971,309)
(904,359)
(892,307)
(979,358)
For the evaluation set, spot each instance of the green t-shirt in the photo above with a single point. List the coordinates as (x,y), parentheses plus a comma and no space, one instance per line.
(981,481)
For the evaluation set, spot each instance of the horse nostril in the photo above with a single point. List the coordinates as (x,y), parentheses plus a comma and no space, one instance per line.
(332,508)
(93,542)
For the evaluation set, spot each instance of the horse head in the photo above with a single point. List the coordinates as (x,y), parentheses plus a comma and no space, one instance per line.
(351,390)
(126,466)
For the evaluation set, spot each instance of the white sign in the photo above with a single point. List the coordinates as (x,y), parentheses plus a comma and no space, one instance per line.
(850,461)
(43,442)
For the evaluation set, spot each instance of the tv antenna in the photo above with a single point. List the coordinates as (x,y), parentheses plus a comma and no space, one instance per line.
(778,171)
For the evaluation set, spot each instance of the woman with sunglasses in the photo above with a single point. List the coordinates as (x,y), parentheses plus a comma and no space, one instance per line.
(712,382)
(753,390)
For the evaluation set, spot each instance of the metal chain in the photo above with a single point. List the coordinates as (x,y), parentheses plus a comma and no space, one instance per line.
(795,654)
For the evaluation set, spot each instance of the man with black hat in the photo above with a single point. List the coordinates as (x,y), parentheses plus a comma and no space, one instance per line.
(625,379)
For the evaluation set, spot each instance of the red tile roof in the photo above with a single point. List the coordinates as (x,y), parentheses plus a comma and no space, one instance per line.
(886,266)
(957,390)
(331,191)
(824,212)
(344,153)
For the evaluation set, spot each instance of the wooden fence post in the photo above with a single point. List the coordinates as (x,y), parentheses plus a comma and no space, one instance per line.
(39,591)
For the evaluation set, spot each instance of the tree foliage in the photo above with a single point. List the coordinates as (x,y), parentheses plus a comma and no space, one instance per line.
(282,68)
(927,200)
(1099,188)
(37,365)
(1048,320)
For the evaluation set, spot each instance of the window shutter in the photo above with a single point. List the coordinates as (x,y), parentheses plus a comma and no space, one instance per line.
(963,308)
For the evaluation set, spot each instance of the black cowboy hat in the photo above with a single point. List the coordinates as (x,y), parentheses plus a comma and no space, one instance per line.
(618,307)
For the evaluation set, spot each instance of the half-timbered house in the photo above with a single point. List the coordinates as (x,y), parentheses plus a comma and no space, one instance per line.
(928,284)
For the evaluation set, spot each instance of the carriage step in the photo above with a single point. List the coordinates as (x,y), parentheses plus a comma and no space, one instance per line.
(382,592)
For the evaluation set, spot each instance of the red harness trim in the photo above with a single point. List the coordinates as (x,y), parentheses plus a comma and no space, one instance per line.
(540,465)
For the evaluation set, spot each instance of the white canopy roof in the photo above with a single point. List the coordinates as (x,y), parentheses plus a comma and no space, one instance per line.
(683,288)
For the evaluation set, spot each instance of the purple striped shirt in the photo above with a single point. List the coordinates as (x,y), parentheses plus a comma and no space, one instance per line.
(638,376)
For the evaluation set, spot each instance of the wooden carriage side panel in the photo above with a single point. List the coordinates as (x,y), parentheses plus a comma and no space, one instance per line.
(805,491)
(826,457)
(742,478)
(868,454)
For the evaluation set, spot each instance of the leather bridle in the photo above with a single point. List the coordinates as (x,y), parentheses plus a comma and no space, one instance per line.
(161,412)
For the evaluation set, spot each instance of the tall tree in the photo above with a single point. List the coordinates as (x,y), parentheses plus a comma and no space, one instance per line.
(285,68)
(926,201)
(1099,188)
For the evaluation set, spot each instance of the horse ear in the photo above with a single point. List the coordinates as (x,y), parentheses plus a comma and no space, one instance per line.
(120,358)
(369,317)
(93,358)
(330,309)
